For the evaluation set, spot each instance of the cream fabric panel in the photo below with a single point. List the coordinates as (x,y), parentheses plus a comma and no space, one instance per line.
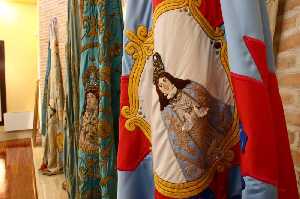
(272,6)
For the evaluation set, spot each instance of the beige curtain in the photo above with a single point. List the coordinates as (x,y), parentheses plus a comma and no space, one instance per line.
(272,6)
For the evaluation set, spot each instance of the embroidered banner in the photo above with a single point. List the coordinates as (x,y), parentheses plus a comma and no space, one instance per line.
(266,160)
(99,81)
(194,121)
(52,108)
(135,174)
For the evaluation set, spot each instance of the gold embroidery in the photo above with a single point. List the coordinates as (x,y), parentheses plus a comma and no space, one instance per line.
(106,110)
(105,180)
(224,159)
(105,152)
(92,22)
(60,141)
(88,46)
(115,50)
(105,74)
(189,189)
(140,47)
(105,129)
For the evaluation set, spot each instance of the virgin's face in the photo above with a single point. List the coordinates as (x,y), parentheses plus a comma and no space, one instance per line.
(91,102)
(165,86)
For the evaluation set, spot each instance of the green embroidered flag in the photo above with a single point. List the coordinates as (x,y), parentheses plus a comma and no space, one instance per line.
(100,67)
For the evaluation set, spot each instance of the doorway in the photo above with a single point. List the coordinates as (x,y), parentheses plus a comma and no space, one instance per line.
(2,83)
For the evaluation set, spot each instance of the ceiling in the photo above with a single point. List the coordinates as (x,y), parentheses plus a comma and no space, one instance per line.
(23,1)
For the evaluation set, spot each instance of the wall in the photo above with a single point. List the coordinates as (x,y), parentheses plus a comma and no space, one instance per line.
(18,29)
(287,41)
(47,10)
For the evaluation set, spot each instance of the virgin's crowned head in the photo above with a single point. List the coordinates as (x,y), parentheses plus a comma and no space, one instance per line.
(166,84)
(91,88)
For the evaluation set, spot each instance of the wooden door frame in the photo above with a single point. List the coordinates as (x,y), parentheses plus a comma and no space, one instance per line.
(2,80)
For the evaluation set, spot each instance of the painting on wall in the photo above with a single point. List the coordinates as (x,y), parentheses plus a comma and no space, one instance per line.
(2,83)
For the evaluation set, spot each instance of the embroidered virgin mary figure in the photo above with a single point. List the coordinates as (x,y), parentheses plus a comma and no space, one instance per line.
(196,121)
(89,138)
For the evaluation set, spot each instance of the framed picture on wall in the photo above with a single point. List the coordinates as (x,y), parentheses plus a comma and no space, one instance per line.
(2,83)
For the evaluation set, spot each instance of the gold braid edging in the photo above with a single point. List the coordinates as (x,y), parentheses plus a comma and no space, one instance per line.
(140,47)
(189,189)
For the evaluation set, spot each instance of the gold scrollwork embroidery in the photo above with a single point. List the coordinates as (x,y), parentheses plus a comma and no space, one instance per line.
(88,46)
(193,8)
(189,189)
(140,47)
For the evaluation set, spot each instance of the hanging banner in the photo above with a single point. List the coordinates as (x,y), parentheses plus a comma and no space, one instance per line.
(135,174)
(194,123)
(266,162)
(99,98)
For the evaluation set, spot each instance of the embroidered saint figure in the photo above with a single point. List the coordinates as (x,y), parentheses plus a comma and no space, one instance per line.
(89,138)
(89,133)
(196,121)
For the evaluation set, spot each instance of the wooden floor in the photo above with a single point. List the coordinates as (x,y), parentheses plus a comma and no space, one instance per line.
(17,175)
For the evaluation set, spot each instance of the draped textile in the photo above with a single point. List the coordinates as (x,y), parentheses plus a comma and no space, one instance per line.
(52,108)
(72,98)
(186,105)
(100,68)
(135,174)
(266,161)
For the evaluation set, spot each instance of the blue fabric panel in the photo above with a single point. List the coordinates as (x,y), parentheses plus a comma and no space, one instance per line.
(138,13)
(243,138)
(268,37)
(256,189)
(235,183)
(242,18)
(137,184)
(45,96)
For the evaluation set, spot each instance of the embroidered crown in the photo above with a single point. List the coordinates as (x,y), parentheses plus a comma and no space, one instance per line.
(158,67)
(91,81)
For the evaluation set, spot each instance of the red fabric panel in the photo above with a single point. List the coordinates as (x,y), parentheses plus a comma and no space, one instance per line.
(287,184)
(258,51)
(155,3)
(219,184)
(133,146)
(211,10)
(260,157)
(257,117)
(286,176)
(236,160)
(160,196)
